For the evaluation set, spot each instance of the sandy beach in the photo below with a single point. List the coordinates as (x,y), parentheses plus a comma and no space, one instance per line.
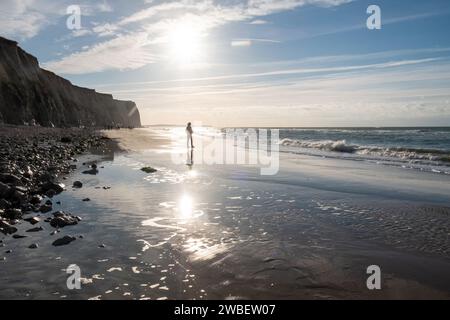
(226,232)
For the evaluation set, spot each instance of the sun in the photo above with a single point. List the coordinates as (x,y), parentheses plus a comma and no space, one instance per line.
(185,42)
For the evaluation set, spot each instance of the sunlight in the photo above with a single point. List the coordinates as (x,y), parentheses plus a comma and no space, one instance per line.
(186,207)
(185,43)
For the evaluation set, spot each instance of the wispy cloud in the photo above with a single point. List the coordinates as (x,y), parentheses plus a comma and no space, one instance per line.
(155,22)
(126,52)
(249,42)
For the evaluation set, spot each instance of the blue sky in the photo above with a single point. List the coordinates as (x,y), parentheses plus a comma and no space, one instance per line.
(252,62)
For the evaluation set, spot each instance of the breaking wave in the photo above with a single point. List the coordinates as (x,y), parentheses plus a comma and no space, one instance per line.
(430,156)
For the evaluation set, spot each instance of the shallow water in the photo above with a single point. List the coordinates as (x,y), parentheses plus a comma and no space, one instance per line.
(214,232)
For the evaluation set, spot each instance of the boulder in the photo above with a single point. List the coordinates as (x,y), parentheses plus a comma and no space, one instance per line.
(63,241)
(77,184)
(62,219)
(6,228)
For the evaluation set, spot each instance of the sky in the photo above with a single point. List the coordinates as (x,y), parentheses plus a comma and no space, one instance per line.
(291,63)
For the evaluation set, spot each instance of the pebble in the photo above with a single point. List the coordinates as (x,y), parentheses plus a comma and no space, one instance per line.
(77,184)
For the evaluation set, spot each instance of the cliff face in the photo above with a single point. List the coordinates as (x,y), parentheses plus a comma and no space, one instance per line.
(28,92)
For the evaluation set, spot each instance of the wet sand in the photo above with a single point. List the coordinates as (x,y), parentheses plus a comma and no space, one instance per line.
(225,232)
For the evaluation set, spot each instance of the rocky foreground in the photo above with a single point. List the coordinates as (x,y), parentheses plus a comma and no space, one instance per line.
(33,164)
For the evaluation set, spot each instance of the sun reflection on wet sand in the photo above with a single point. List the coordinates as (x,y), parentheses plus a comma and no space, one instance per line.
(186,207)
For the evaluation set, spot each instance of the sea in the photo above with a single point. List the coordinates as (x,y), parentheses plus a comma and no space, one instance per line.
(415,148)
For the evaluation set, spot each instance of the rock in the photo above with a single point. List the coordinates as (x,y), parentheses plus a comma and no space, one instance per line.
(77,184)
(92,171)
(34,246)
(10,178)
(66,139)
(62,219)
(6,228)
(86,199)
(8,251)
(102,246)
(36,199)
(4,204)
(4,190)
(13,214)
(45,208)
(149,170)
(18,236)
(54,232)
(19,197)
(21,189)
(56,187)
(28,173)
(50,193)
(33,220)
(106,188)
(37,229)
(63,241)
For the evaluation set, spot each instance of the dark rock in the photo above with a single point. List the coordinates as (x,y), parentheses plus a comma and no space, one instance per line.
(4,189)
(86,199)
(149,170)
(102,246)
(18,236)
(33,220)
(57,187)
(77,184)
(91,171)
(36,199)
(21,189)
(34,246)
(4,204)
(62,219)
(37,229)
(45,208)
(66,139)
(50,193)
(13,213)
(63,241)
(6,228)
(8,251)
(10,178)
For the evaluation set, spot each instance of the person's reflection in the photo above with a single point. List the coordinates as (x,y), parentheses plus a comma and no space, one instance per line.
(190,158)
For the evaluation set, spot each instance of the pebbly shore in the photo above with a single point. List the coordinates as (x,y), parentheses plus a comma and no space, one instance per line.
(34,164)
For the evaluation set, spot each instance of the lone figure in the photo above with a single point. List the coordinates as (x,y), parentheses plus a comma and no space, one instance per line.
(189,133)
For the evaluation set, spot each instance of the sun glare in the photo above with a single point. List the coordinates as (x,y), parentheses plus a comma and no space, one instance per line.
(186,207)
(185,43)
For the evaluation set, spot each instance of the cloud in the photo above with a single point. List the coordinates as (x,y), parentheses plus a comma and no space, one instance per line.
(126,52)
(24,19)
(157,20)
(105,30)
(249,42)
(21,19)
(241,43)
(258,22)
